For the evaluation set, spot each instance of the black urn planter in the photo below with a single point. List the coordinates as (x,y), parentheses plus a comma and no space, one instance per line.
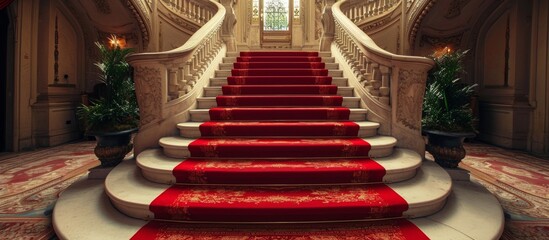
(112,147)
(447,147)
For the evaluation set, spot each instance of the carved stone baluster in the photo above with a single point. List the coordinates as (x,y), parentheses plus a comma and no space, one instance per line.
(189,84)
(364,71)
(200,60)
(385,89)
(181,82)
(187,8)
(375,83)
(358,63)
(209,48)
(192,12)
(203,14)
(173,88)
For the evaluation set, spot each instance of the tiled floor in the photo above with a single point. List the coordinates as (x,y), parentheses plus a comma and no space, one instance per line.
(31,182)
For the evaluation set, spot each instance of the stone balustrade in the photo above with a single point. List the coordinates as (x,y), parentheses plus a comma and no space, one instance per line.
(168,83)
(360,10)
(392,86)
(197,11)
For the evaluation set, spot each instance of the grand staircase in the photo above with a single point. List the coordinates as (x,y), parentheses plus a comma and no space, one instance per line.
(278,148)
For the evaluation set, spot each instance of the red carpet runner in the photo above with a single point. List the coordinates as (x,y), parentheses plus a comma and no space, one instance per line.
(279,121)
(398,229)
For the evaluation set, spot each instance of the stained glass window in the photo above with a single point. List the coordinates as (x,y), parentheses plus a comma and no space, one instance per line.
(276,17)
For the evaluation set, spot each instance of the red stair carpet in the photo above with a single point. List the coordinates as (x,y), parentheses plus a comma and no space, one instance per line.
(279,148)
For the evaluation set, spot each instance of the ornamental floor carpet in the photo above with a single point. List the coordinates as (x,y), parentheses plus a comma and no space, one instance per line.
(26,212)
(30,183)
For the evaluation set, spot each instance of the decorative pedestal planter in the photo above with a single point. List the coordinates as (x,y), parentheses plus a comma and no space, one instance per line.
(112,147)
(447,147)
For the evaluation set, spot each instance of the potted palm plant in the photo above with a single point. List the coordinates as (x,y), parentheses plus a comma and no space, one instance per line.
(447,118)
(113,117)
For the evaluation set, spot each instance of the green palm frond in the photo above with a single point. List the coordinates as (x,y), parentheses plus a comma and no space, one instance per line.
(446,102)
(118,110)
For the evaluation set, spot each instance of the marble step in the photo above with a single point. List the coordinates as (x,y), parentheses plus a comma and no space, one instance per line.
(203,115)
(132,194)
(227,73)
(220,81)
(216,91)
(324,59)
(191,129)
(470,212)
(177,147)
(209,102)
(157,167)
(229,66)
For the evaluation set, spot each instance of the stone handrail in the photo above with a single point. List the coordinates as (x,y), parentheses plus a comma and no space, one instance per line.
(392,86)
(168,83)
(360,10)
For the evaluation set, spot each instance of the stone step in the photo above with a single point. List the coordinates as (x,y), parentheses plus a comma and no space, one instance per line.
(220,81)
(216,91)
(157,167)
(229,66)
(191,129)
(202,115)
(227,73)
(178,147)
(233,59)
(425,193)
(471,212)
(209,102)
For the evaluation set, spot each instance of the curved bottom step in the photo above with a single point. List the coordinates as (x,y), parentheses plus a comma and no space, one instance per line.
(424,194)
(471,212)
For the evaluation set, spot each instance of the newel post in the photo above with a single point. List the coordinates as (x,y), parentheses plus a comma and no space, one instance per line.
(407,98)
(227,29)
(328,26)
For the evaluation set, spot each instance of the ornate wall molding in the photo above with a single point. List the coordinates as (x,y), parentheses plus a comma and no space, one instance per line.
(143,18)
(414,25)
(148,84)
(411,89)
(439,42)
(377,23)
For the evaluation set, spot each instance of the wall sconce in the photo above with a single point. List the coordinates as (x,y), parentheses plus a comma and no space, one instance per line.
(115,41)
(441,52)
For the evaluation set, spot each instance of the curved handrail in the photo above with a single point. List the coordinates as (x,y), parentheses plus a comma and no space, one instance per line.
(191,44)
(368,43)
(391,85)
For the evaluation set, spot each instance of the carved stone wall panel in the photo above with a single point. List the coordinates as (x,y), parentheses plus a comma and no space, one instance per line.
(440,42)
(411,89)
(149,93)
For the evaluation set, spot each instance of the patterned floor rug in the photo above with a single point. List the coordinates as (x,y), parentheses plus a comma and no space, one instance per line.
(31,182)
(519,181)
